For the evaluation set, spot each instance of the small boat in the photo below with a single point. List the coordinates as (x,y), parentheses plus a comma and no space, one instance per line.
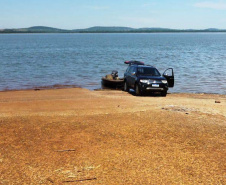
(116,84)
(112,80)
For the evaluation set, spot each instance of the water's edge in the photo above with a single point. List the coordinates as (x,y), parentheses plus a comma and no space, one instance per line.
(61,86)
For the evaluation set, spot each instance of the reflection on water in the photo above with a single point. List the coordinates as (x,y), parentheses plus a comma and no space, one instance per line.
(33,60)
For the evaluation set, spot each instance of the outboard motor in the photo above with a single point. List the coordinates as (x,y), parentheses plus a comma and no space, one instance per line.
(114,74)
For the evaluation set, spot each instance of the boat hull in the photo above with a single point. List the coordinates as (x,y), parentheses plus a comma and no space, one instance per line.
(116,84)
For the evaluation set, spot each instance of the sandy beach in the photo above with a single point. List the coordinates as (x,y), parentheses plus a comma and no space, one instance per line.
(77,136)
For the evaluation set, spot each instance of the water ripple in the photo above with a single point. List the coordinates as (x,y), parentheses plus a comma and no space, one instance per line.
(32,60)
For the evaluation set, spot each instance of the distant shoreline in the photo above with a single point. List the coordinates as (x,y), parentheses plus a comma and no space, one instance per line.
(111,29)
(114,32)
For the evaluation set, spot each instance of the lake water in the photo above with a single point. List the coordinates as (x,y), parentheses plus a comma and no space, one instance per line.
(44,60)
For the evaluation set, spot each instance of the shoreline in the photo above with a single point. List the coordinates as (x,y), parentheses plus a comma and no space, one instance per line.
(111,137)
(58,86)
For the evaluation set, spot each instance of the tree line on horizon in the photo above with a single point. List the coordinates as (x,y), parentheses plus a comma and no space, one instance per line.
(99,29)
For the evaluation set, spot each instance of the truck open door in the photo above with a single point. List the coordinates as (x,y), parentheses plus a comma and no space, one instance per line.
(169,75)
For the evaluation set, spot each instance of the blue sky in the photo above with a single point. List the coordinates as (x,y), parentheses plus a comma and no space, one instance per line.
(73,14)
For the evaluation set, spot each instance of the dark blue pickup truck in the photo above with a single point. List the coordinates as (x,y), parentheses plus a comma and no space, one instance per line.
(145,78)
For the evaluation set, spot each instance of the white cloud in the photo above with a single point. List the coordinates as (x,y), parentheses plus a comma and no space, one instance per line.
(211,5)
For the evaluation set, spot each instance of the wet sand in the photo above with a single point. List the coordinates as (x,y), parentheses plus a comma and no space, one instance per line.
(73,136)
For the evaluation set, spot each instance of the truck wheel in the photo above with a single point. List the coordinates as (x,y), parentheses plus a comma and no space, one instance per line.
(137,90)
(164,93)
(125,88)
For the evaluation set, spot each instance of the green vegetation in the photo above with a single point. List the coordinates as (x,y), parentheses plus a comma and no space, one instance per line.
(99,29)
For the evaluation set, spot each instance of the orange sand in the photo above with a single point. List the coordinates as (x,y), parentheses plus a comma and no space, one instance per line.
(73,136)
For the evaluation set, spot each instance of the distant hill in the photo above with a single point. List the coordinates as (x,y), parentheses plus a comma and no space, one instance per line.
(102,29)
(35,29)
(42,29)
(154,29)
(212,29)
(105,29)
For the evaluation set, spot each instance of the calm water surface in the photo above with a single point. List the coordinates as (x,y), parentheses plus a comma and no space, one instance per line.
(37,60)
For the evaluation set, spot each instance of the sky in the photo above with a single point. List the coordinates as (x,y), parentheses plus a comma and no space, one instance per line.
(75,14)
